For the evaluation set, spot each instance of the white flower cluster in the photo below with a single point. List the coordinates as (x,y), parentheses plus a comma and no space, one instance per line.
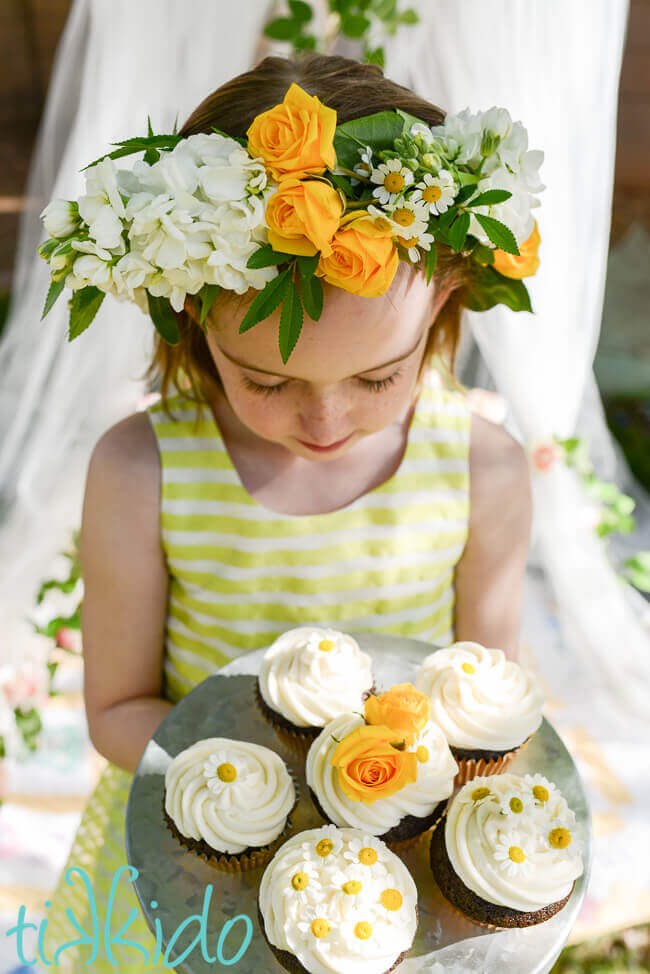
(193,217)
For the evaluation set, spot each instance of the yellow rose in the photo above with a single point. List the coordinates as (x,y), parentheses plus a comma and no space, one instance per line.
(364,258)
(403,708)
(369,767)
(523,266)
(296,138)
(303,216)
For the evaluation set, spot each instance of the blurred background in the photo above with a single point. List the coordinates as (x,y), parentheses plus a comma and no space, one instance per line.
(44,789)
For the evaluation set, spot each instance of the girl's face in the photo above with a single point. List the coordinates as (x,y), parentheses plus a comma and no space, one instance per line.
(350,374)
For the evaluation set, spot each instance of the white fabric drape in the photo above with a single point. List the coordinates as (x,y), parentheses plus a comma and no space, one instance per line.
(117,62)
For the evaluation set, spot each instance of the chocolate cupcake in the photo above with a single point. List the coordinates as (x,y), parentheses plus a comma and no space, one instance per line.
(228,802)
(508,855)
(388,772)
(337,900)
(308,676)
(487,706)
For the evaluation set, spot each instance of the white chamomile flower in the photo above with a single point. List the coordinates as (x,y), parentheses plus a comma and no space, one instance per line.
(392,177)
(305,878)
(406,220)
(515,803)
(361,927)
(541,790)
(511,855)
(322,843)
(415,241)
(437,193)
(316,924)
(365,166)
(367,850)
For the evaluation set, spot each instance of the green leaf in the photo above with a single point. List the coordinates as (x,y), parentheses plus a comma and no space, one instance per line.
(138,144)
(409,120)
(484,255)
(307,265)
(409,17)
(208,295)
(376,56)
(282,29)
(499,234)
(46,248)
(53,293)
(458,232)
(235,138)
(301,11)
(84,305)
(266,256)
(151,155)
(430,261)
(354,25)
(490,196)
(464,193)
(305,42)
(489,288)
(311,291)
(447,218)
(163,317)
(267,300)
(290,321)
(385,9)
(378,131)
(343,183)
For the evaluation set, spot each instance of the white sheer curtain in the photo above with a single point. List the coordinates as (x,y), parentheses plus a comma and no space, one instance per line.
(117,62)
(554,65)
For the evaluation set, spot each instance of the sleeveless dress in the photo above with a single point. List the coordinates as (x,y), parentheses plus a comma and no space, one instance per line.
(241,574)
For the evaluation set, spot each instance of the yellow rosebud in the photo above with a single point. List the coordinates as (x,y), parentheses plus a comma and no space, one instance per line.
(295,138)
(369,767)
(303,216)
(525,265)
(403,708)
(364,258)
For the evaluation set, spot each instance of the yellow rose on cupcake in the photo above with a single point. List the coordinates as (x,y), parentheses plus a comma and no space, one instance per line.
(525,265)
(364,258)
(403,708)
(303,216)
(370,766)
(296,137)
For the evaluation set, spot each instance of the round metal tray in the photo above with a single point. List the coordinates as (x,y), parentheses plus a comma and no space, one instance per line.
(176,880)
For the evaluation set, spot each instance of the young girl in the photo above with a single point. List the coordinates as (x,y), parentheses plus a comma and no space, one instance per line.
(346,487)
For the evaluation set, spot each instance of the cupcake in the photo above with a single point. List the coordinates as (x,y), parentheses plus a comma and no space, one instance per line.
(310,675)
(388,772)
(486,705)
(228,802)
(337,900)
(508,855)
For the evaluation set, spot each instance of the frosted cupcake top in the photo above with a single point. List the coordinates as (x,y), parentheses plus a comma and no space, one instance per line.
(340,901)
(371,775)
(231,794)
(311,674)
(482,700)
(512,840)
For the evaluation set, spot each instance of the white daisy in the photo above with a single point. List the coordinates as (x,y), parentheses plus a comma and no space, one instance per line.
(515,803)
(411,244)
(317,924)
(310,869)
(393,178)
(541,790)
(365,167)
(437,193)
(405,220)
(367,850)
(322,843)
(511,854)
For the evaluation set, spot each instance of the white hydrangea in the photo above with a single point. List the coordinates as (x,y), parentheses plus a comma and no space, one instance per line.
(61,218)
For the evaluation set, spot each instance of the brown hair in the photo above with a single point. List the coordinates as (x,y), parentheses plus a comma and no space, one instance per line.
(353,89)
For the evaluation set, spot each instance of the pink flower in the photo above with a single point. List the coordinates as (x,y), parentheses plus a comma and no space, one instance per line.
(544,456)
(26,687)
(67,638)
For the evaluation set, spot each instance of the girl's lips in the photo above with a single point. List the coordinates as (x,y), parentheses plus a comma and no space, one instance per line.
(325,449)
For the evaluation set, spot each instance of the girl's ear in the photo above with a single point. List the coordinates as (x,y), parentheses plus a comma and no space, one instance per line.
(191,309)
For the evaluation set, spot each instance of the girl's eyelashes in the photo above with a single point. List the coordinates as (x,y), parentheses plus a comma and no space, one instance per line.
(375,385)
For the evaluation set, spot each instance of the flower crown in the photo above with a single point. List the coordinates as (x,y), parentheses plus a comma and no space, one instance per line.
(302,199)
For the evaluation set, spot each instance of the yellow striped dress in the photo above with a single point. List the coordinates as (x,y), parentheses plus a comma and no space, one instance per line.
(241,574)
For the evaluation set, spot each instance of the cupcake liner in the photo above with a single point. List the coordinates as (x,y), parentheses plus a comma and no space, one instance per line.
(470,768)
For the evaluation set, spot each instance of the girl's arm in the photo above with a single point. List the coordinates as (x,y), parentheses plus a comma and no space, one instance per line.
(489,576)
(125,592)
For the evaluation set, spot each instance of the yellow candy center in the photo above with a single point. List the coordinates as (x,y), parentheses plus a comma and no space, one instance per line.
(540,793)
(431,194)
(422,754)
(404,217)
(391,899)
(367,856)
(468,668)
(479,793)
(559,838)
(362,930)
(226,771)
(324,847)
(516,805)
(320,927)
(394,182)
(516,853)
(300,881)
(326,645)
(351,887)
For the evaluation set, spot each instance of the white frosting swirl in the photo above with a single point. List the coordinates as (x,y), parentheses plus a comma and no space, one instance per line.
(230,815)
(435,780)
(310,685)
(505,853)
(288,913)
(482,700)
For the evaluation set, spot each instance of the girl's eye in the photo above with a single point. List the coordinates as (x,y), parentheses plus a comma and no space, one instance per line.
(376,385)
(262,390)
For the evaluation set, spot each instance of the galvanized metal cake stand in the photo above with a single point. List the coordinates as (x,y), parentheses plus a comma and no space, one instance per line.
(175,880)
